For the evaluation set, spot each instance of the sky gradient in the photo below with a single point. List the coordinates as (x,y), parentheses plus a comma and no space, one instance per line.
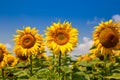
(84,15)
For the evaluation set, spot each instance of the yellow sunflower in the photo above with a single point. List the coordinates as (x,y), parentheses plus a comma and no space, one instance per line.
(106,37)
(92,56)
(116,52)
(3,52)
(87,57)
(43,55)
(10,60)
(28,41)
(80,58)
(21,57)
(61,37)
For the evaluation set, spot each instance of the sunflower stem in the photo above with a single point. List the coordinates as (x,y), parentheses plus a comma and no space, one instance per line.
(53,63)
(59,65)
(3,74)
(65,76)
(31,65)
(105,61)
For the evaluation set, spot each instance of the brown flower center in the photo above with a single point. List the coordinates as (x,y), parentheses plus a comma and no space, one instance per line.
(1,55)
(10,62)
(22,57)
(61,37)
(108,38)
(27,41)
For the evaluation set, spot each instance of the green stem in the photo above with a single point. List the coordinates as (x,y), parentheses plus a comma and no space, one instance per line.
(53,63)
(59,65)
(105,61)
(31,65)
(65,76)
(70,76)
(65,59)
(3,74)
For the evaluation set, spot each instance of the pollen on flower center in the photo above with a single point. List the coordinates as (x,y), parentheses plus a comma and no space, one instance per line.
(61,37)
(27,41)
(108,38)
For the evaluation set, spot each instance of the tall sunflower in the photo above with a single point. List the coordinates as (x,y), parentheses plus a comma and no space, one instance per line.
(28,41)
(3,52)
(106,37)
(61,37)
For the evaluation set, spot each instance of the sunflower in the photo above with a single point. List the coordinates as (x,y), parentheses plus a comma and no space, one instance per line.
(21,57)
(92,56)
(116,52)
(80,58)
(28,41)
(61,37)
(87,57)
(3,52)
(10,60)
(106,37)
(43,55)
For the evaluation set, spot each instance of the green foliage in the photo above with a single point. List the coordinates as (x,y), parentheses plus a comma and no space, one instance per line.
(95,69)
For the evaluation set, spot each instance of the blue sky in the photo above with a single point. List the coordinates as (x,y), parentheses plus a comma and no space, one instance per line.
(84,15)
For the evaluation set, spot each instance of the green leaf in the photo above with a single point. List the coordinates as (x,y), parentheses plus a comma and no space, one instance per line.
(81,68)
(108,65)
(114,76)
(87,77)
(79,76)
(83,63)
(21,73)
(42,73)
(47,63)
(65,69)
(116,64)
(117,59)
(55,59)
(33,77)
(115,71)
(20,64)
(93,62)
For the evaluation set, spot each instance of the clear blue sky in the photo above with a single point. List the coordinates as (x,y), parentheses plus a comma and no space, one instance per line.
(14,14)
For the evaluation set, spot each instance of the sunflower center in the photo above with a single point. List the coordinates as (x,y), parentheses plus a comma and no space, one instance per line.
(22,57)
(27,41)
(108,38)
(1,55)
(10,62)
(61,37)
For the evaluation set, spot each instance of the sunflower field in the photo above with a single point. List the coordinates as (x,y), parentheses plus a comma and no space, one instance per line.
(30,61)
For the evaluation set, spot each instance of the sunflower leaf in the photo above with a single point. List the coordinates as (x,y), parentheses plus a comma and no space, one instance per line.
(114,76)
